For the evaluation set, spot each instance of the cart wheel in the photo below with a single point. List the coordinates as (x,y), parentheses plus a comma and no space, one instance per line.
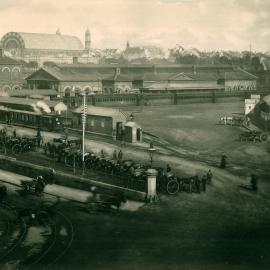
(16,149)
(264,137)
(172,187)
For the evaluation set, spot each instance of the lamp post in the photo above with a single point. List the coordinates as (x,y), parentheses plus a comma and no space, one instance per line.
(151,151)
(151,177)
(84,110)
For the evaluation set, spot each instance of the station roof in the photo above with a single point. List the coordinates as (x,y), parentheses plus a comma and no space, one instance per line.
(239,74)
(30,92)
(67,75)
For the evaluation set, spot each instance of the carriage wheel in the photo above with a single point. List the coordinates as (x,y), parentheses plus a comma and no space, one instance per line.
(172,187)
(264,137)
(16,149)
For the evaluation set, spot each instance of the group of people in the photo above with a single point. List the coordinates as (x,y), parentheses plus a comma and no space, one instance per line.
(198,185)
(118,156)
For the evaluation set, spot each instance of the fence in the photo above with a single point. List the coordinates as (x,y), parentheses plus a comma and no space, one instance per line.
(161,98)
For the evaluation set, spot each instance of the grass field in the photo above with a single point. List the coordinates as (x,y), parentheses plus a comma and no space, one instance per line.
(193,129)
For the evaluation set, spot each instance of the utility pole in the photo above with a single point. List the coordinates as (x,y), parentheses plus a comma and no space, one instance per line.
(84,110)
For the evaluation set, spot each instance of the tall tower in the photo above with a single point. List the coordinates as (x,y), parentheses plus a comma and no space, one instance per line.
(87,42)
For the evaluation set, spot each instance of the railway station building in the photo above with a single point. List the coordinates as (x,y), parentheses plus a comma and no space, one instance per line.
(71,80)
(108,122)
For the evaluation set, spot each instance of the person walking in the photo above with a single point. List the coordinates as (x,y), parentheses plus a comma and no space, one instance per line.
(254,182)
(209,176)
(4,132)
(39,138)
(204,180)
(114,155)
(223,162)
(120,156)
(197,184)
(14,133)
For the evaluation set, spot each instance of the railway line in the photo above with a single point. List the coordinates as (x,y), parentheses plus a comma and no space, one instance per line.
(55,246)
(16,233)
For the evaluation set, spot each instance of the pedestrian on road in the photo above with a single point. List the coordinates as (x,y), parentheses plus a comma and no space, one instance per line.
(14,133)
(5,132)
(254,182)
(197,184)
(120,156)
(39,138)
(114,155)
(223,162)
(204,180)
(168,168)
(102,154)
(209,176)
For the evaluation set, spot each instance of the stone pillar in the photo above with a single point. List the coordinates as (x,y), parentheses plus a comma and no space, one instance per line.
(152,185)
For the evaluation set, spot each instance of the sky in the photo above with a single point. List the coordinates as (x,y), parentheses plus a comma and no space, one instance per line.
(203,24)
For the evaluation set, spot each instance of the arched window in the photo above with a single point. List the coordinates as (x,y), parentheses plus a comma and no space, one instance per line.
(87,90)
(77,91)
(6,88)
(16,87)
(6,73)
(67,91)
(15,74)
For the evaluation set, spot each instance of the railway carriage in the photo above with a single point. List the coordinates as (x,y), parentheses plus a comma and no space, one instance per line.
(46,122)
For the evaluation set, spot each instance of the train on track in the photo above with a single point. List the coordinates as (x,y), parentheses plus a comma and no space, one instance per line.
(46,122)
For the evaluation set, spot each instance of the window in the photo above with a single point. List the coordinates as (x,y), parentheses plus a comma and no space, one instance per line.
(92,123)
(102,124)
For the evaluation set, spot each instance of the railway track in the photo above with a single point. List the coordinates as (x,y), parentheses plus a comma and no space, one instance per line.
(60,240)
(6,223)
(19,232)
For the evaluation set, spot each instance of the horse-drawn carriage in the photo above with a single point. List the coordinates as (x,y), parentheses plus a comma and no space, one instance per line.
(254,136)
(17,145)
(63,149)
(36,186)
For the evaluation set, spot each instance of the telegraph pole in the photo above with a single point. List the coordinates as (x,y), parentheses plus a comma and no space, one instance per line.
(84,110)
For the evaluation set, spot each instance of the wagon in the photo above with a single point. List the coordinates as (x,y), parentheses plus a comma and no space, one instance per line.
(168,183)
(254,136)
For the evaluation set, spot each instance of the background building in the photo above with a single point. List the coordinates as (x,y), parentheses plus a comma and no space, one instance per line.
(40,48)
